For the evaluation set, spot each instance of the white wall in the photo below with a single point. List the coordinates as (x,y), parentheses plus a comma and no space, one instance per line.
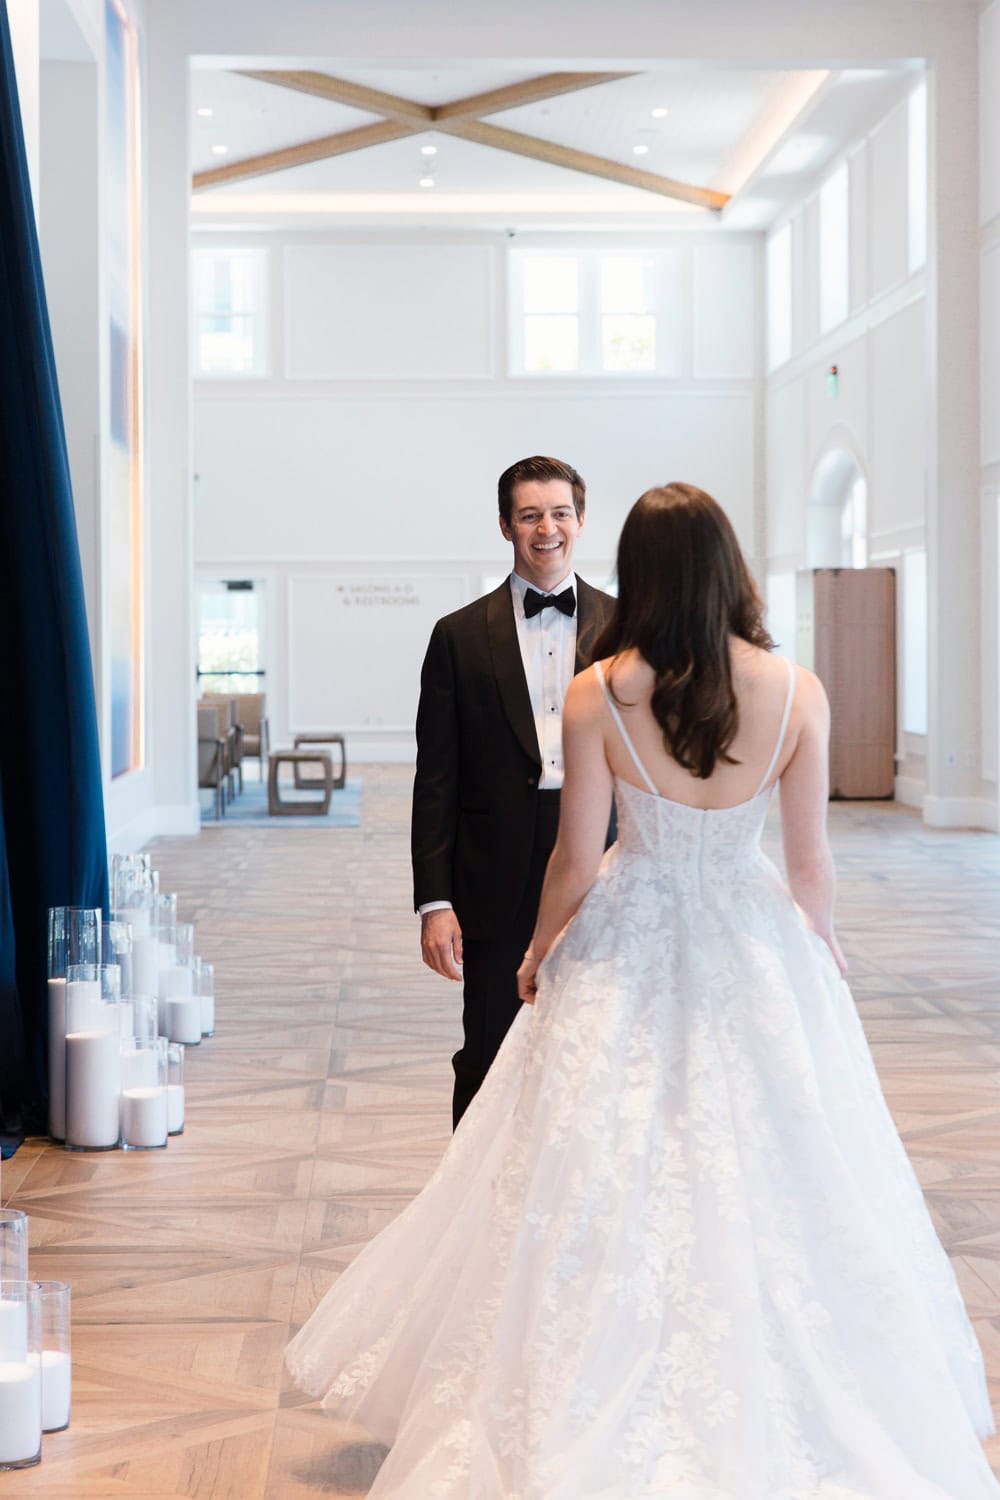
(23,16)
(373,447)
(879,411)
(771,33)
(989,410)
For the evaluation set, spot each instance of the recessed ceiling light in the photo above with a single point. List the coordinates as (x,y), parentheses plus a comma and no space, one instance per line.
(660,113)
(640,150)
(220,150)
(427,182)
(206,112)
(428,151)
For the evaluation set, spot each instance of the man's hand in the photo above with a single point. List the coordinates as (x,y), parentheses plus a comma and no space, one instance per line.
(441,943)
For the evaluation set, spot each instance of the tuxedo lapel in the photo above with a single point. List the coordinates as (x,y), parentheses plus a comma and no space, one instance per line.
(508,669)
(592,613)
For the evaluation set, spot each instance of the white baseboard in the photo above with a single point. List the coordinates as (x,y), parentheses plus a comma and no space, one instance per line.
(381,752)
(961,812)
(181,820)
(910,792)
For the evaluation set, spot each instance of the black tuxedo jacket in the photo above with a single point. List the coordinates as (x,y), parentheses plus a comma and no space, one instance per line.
(478,762)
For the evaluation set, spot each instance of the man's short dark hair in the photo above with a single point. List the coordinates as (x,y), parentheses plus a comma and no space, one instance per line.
(541,469)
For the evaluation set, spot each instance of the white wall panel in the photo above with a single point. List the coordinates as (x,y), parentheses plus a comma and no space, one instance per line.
(897,444)
(989,356)
(786,471)
(355,646)
(989,113)
(841,420)
(887,202)
(858,226)
(391,312)
(725,312)
(415,474)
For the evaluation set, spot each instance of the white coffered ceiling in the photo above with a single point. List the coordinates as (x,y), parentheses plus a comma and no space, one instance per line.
(757,134)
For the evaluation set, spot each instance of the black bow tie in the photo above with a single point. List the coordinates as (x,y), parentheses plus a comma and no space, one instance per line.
(534,602)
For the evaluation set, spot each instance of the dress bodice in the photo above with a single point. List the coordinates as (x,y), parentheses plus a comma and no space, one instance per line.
(693,848)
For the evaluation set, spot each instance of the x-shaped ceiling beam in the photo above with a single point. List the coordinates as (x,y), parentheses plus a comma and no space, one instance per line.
(462,118)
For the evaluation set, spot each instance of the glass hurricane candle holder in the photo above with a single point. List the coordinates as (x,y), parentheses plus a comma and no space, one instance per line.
(144,1096)
(175,1088)
(74,938)
(13,1245)
(182,1003)
(93,1057)
(145,1018)
(54,1297)
(20,1375)
(116,948)
(206,993)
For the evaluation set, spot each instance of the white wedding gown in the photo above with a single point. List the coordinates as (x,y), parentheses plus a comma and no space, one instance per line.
(676,1249)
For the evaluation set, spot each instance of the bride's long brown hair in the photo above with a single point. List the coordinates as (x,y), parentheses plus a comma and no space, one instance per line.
(684,590)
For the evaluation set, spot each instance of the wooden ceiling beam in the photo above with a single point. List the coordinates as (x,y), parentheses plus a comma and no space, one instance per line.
(461,118)
(298,156)
(531,91)
(584,161)
(342,91)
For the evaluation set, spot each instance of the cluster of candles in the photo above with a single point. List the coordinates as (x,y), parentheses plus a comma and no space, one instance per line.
(126,997)
(35,1370)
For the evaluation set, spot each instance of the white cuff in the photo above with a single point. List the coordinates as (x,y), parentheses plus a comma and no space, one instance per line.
(434,906)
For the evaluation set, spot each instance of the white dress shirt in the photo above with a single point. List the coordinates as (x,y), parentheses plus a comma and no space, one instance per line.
(548,655)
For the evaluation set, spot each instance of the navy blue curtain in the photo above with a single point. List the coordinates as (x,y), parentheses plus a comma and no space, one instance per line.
(52,841)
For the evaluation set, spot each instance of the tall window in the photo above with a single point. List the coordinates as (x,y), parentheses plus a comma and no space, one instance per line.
(628,318)
(833,249)
(593,313)
(230,323)
(551,290)
(779,297)
(916,197)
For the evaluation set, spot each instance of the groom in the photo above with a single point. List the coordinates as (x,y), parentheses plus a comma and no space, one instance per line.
(489,756)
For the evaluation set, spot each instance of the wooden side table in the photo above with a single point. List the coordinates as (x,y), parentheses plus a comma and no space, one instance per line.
(281,808)
(322,737)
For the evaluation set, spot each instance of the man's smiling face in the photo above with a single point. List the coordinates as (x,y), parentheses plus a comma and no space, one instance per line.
(543,530)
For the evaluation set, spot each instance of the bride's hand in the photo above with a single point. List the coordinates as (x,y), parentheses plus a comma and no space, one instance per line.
(527,987)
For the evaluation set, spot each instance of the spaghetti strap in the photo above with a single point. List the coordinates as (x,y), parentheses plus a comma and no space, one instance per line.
(626,738)
(783,730)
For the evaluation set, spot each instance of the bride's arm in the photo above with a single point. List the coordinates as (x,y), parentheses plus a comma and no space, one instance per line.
(805,792)
(584,812)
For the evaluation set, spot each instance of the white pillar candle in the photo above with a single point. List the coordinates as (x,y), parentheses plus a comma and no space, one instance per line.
(56,1386)
(57,1058)
(178,980)
(20,1412)
(83,1005)
(145,965)
(144,1116)
(167,960)
(175,1108)
(207,1014)
(139,918)
(184,1019)
(13,1330)
(93,1088)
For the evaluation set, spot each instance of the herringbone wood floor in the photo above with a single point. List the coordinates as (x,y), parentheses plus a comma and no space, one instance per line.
(322,1104)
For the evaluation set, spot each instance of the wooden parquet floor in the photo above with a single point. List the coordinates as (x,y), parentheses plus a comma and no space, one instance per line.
(322,1105)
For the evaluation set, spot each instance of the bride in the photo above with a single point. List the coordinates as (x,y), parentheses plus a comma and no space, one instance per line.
(675,1249)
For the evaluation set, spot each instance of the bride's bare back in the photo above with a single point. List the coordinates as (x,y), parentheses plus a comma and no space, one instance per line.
(761,684)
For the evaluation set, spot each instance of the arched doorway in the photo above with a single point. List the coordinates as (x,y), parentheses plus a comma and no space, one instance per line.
(837,513)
